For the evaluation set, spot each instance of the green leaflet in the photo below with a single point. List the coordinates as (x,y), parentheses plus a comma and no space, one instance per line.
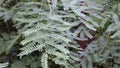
(30,48)
(61,55)
(44,60)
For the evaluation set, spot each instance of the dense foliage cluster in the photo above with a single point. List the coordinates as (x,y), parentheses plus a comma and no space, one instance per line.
(59,34)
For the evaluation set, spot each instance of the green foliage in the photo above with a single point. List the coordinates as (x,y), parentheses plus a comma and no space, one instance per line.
(3,65)
(44,31)
(42,34)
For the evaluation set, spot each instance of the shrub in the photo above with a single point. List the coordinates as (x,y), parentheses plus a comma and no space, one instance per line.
(59,33)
